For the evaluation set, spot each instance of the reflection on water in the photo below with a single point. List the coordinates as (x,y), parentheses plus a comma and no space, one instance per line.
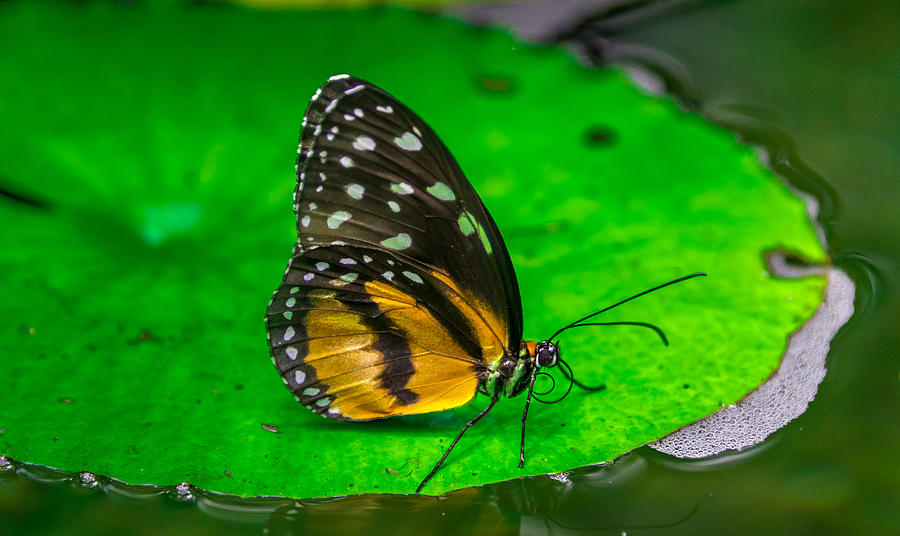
(601,497)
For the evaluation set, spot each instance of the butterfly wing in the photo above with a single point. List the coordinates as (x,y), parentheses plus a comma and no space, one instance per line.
(400,291)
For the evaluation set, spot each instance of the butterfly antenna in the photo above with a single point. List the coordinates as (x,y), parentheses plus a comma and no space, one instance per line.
(626,300)
(569,376)
(647,325)
(459,436)
(567,372)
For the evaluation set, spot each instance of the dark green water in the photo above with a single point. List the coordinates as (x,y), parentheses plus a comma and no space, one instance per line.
(825,75)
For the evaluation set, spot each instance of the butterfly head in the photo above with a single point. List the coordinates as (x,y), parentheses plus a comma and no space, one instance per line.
(518,371)
(546,354)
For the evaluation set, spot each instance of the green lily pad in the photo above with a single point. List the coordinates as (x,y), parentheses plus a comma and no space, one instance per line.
(148,168)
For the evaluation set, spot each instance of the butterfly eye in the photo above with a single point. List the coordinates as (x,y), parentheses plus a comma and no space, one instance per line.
(546,354)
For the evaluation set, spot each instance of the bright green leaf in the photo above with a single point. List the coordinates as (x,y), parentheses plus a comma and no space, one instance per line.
(159,146)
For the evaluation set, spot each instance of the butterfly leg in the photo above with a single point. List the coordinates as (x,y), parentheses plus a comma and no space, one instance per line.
(461,432)
(525,416)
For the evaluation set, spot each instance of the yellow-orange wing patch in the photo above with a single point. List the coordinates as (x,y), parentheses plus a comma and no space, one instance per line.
(352,342)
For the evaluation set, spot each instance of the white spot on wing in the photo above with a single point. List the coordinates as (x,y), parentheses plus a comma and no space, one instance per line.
(346,161)
(394,206)
(338,77)
(482,235)
(402,188)
(465,224)
(335,220)
(385,109)
(356,191)
(289,333)
(441,191)
(354,89)
(304,221)
(357,112)
(364,143)
(292,355)
(399,242)
(413,276)
(408,142)
(321,266)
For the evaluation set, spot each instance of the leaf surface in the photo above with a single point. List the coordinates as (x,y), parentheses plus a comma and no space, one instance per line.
(154,150)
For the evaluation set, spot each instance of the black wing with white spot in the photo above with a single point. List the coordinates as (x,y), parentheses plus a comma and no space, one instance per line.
(373,174)
(379,190)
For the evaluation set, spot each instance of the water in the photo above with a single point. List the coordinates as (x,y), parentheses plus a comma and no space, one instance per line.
(812,83)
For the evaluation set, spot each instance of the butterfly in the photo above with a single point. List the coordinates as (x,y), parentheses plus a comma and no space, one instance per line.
(400,297)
